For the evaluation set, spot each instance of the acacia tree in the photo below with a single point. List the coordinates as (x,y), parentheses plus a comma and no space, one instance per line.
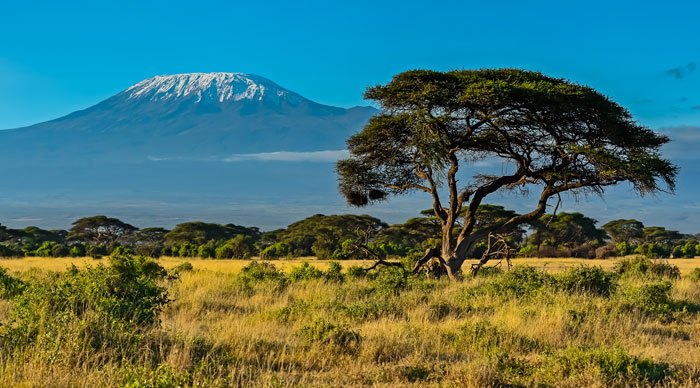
(99,230)
(558,136)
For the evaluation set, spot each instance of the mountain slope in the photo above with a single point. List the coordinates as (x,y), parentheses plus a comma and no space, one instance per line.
(190,116)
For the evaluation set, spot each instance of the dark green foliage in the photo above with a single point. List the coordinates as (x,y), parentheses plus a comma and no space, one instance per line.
(640,266)
(77,250)
(591,280)
(100,306)
(613,365)
(304,272)
(261,276)
(240,247)
(10,251)
(184,267)
(334,273)
(355,272)
(391,280)
(99,230)
(321,235)
(60,250)
(651,299)
(624,231)
(521,281)
(566,230)
(9,286)
(199,233)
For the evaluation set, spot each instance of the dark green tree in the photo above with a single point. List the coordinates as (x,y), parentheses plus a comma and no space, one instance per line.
(628,231)
(100,230)
(567,230)
(554,135)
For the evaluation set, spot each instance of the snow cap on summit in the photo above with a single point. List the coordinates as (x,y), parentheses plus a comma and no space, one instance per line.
(211,87)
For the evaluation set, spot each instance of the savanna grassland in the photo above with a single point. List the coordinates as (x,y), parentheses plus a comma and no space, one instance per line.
(133,322)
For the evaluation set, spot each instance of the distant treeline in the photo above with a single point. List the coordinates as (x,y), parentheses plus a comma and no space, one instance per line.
(339,236)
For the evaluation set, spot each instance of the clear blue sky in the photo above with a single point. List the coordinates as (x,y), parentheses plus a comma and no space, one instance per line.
(58,57)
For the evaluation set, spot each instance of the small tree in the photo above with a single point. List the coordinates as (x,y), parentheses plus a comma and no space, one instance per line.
(556,135)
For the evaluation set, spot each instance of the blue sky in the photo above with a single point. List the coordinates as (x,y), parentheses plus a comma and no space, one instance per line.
(58,57)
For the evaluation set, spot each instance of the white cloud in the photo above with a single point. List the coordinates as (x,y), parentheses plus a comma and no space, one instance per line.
(328,156)
(288,156)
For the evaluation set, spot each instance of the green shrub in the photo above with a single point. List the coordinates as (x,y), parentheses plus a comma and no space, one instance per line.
(339,337)
(206,251)
(304,272)
(77,250)
(356,272)
(45,249)
(334,273)
(695,275)
(184,267)
(261,276)
(591,280)
(652,299)
(95,251)
(612,365)
(491,271)
(103,308)
(10,251)
(486,339)
(392,280)
(60,250)
(9,286)
(640,267)
(521,281)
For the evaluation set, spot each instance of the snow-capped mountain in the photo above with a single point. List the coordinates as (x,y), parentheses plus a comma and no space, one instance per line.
(187,116)
(210,87)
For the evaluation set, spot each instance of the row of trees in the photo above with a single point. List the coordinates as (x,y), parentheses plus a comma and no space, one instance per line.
(342,237)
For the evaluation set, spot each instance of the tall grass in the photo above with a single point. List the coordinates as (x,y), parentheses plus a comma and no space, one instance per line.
(265,327)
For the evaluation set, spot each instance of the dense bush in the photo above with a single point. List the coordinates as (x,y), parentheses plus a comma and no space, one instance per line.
(339,337)
(91,309)
(304,272)
(9,286)
(640,266)
(592,280)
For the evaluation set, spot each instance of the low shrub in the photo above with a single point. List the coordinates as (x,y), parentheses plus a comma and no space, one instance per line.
(640,266)
(612,365)
(651,299)
(100,308)
(356,272)
(334,273)
(184,267)
(338,337)
(521,281)
(304,272)
(695,275)
(591,280)
(391,280)
(9,286)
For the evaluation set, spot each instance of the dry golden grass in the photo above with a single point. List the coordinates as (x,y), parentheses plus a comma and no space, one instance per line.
(415,337)
(234,266)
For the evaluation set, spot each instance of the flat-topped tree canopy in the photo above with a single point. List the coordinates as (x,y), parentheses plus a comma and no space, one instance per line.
(558,135)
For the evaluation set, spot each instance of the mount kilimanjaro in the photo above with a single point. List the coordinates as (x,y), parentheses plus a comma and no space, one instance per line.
(192,145)
(187,116)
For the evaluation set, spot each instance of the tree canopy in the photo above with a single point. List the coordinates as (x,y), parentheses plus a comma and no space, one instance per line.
(99,230)
(555,135)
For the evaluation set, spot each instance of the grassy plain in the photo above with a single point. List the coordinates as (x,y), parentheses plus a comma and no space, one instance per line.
(234,266)
(523,328)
